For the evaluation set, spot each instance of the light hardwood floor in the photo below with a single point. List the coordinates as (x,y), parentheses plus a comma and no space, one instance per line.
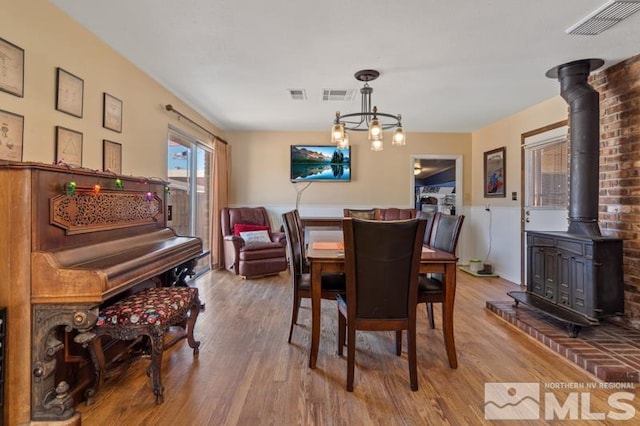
(247,374)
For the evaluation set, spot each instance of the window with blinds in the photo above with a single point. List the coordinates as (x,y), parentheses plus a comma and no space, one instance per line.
(546,166)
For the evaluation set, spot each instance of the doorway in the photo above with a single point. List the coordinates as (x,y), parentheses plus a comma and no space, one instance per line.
(436,183)
(544,184)
(189,168)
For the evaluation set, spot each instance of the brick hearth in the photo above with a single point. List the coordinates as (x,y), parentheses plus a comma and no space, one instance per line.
(608,351)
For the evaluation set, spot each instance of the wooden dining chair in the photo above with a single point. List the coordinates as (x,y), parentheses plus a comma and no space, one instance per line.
(382,260)
(301,237)
(359,213)
(444,236)
(430,217)
(394,213)
(332,284)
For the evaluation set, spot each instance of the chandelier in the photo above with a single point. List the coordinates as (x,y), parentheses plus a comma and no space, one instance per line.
(368,119)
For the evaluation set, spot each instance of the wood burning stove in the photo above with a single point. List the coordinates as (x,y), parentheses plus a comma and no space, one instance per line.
(576,276)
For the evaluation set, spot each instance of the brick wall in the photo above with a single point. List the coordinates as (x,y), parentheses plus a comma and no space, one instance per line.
(619,216)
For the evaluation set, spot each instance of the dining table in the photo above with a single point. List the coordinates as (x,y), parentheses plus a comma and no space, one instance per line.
(325,253)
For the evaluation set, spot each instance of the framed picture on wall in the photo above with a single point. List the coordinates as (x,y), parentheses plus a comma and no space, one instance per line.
(495,173)
(68,147)
(12,75)
(111,157)
(112,113)
(11,134)
(69,93)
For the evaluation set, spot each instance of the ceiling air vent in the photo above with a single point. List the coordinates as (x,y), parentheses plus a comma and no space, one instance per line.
(298,94)
(605,17)
(338,94)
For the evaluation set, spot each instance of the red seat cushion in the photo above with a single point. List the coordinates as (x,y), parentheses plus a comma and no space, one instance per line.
(246,227)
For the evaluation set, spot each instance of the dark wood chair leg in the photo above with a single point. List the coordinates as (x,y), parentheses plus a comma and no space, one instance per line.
(432,323)
(398,342)
(294,315)
(411,352)
(351,356)
(341,333)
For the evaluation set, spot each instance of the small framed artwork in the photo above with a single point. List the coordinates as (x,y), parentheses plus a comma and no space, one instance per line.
(12,75)
(112,113)
(11,134)
(69,93)
(495,173)
(68,147)
(111,157)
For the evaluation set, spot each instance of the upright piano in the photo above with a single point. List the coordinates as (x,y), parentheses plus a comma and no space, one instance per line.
(72,239)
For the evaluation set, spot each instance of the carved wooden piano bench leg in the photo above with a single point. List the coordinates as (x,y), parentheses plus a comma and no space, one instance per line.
(149,312)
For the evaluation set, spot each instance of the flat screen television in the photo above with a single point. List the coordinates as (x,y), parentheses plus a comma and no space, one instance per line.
(320,163)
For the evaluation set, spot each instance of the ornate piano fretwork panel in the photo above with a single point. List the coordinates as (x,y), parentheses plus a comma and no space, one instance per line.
(51,401)
(86,212)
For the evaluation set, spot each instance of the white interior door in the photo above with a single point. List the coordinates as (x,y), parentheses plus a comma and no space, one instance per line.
(544,183)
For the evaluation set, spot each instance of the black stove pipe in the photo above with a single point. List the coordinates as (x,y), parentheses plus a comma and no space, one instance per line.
(584,131)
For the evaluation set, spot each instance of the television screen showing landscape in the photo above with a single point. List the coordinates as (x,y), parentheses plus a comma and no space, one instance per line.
(325,163)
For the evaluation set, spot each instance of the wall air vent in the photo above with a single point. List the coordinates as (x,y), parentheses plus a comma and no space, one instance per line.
(338,94)
(298,94)
(605,17)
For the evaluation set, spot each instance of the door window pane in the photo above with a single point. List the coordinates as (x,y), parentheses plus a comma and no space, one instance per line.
(546,168)
(179,174)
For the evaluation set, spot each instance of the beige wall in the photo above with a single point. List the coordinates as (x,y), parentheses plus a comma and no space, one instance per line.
(497,232)
(51,39)
(260,172)
(507,133)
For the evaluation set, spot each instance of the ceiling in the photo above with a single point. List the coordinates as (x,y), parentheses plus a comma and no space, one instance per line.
(446,66)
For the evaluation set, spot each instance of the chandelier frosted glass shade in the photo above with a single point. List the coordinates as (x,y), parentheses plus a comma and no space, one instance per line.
(399,137)
(344,143)
(375,129)
(337,133)
(376,145)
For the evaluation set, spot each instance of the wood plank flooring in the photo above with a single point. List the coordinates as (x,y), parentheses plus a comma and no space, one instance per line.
(247,374)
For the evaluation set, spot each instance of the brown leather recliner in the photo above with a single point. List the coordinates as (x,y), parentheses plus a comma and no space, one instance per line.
(255,258)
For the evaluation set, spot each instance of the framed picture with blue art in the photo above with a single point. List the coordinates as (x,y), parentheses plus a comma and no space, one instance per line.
(320,163)
(495,173)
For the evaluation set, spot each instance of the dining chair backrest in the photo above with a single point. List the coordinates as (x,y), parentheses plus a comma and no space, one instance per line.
(359,213)
(394,213)
(382,260)
(430,218)
(445,232)
(301,239)
(296,216)
(294,245)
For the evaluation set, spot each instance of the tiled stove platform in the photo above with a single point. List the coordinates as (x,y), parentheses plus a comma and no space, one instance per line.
(608,351)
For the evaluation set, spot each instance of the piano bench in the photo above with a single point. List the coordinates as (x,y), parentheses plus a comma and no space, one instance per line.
(149,312)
